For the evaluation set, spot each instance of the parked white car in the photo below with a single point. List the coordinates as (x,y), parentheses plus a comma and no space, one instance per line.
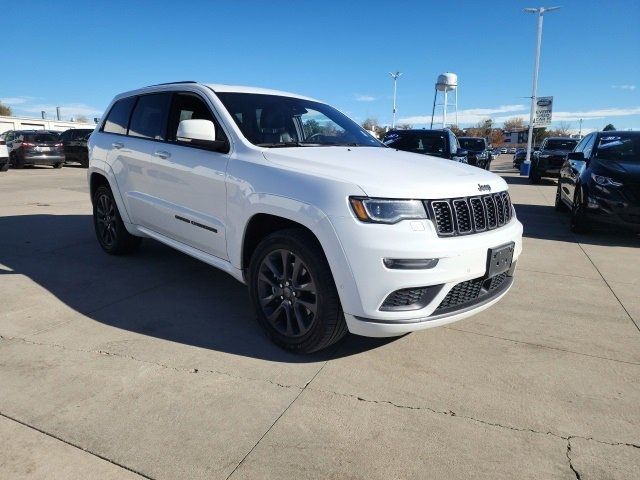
(331,230)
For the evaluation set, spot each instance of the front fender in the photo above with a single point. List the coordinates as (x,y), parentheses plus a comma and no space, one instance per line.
(308,216)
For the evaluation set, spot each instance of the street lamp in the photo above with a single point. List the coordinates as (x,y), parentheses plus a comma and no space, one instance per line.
(395,88)
(540,12)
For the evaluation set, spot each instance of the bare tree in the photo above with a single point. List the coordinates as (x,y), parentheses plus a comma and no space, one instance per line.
(563,129)
(5,110)
(404,126)
(370,123)
(457,131)
(513,124)
(82,119)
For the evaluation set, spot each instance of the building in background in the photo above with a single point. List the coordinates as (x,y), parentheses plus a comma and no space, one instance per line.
(24,123)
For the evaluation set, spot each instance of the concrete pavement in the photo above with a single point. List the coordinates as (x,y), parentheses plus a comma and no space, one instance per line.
(152,365)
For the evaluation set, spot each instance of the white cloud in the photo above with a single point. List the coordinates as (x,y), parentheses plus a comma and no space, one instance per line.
(475,115)
(365,98)
(466,116)
(631,88)
(14,100)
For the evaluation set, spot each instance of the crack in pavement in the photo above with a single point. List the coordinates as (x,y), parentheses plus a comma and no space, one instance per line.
(573,469)
(533,344)
(148,362)
(451,413)
(78,447)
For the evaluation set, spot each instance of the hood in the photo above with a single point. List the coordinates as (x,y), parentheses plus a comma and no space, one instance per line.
(385,172)
(628,172)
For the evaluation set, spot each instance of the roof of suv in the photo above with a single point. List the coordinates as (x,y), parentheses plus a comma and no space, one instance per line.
(221,88)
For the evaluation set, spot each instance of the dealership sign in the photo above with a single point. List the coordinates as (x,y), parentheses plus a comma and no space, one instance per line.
(543,111)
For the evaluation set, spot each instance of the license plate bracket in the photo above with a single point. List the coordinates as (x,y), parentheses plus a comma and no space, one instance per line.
(499,259)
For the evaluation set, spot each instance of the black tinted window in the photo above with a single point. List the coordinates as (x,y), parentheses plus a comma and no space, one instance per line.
(418,142)
(619,147)
(41,137)
(560,144)
(472,143)
(149,118)
(189,106)
(118,118)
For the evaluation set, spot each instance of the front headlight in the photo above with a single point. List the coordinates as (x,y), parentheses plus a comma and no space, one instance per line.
(383,210)
(605,181)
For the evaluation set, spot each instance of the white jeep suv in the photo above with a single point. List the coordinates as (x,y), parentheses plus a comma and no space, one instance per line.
(331,230)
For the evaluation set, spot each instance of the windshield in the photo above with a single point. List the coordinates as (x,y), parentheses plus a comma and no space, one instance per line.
(561,144)
(40,137)
(619,147)
(472,143)
(418,142)
(279,121)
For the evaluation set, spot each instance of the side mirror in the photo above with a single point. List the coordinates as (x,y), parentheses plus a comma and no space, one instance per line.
(196,130)
(201,133)
(576,156)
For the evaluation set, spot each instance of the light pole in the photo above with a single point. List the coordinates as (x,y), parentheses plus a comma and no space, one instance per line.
(580,131)
(395,89)
(540,11)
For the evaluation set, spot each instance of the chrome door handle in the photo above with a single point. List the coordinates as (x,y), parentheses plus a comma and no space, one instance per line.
(162,154)
(117,145)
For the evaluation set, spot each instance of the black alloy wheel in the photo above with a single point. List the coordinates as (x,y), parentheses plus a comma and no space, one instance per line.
(293,292)
(110,230)
(287,292)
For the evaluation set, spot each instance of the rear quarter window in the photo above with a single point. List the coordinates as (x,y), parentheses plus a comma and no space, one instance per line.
(118,119)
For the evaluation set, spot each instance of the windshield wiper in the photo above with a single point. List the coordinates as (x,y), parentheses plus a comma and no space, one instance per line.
(280,144)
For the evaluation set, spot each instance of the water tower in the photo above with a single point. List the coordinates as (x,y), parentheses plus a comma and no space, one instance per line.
(447,82)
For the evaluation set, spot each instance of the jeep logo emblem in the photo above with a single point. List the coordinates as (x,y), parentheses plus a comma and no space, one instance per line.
(484,188)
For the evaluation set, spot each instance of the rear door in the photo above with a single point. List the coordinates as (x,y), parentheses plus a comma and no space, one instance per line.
(131,155)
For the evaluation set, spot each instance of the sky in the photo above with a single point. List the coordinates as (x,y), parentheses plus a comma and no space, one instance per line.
(78,55)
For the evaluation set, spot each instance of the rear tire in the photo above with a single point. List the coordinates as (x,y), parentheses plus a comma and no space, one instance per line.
(112,235)
(58,165)
(293,292)
(5,167)
(15,163)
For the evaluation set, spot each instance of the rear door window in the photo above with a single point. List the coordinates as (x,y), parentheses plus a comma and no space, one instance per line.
(118,118)
(149,117)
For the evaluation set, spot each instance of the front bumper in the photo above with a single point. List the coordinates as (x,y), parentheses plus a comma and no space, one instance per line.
(460,259)
(617,212)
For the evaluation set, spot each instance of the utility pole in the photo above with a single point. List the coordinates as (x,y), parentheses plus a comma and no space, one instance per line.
(534,90)
(395,89)
(580,131)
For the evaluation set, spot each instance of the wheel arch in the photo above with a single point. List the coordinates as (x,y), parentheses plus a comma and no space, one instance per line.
(104,176)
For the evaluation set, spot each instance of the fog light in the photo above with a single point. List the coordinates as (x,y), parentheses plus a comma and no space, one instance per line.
(410,263)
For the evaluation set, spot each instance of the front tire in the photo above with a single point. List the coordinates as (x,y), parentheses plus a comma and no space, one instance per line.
(293,292)
(560,206)
(4,167)
(58,165)
(534,177)
(110,230)
(578,223)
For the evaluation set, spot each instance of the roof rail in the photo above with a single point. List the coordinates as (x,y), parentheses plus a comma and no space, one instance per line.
(173,83)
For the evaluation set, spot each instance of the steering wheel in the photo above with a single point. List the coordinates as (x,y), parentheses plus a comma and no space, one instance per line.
(315,138)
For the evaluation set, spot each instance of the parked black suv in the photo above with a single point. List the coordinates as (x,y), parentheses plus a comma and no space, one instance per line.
(600,181)
(519,157)
(74,142)
(478,154)
(34,147)
(546,161)
(437,143)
